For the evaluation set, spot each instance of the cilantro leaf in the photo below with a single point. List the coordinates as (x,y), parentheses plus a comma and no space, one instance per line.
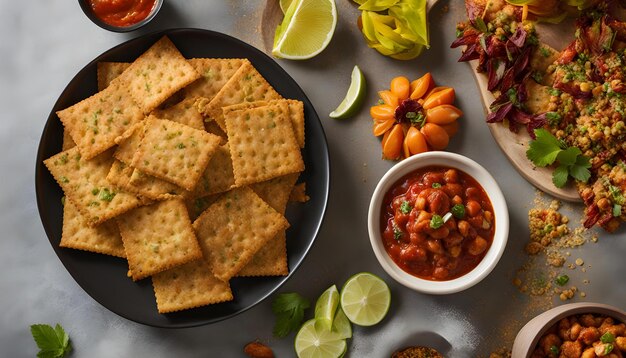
(289,310)
(580,169)
(568,156)
(544,149)
(559,176)
(52,342)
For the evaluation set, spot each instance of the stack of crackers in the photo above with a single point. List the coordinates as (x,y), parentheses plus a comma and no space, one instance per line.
(184,168)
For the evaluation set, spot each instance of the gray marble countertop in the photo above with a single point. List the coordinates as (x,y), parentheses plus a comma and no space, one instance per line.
(44,44)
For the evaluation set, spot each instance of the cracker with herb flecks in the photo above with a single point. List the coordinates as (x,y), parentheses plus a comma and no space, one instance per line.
(174,152)
(188,286)
(102,120)
(298,194)
(214,73)
(218,176)
(234,228)
(103,239)
(119,174)
(157,74)
(184,112)
(158,237)
(296,114)
(271,259)
(108,71)
(84,183)
(262,144)
(152,187)
(246,85)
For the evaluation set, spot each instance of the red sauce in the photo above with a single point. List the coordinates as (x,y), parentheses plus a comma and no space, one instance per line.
(122,12)
(413,229)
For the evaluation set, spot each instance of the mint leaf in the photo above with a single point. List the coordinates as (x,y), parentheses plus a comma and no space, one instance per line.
(568,156)
(52,342)
(544,149)
(289,310)
(559,176)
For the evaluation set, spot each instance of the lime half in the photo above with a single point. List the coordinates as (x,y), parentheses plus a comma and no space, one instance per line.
(354,98)
(312,342)
(365,299)
(341,325)
(326,306)
(306,30)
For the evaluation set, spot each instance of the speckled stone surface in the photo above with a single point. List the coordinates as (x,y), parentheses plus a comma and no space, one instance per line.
(44,44)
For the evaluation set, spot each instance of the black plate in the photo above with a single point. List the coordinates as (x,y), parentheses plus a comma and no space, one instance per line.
(103,277)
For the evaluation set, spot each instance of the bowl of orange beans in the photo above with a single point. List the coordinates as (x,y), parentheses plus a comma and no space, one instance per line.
(414,117)
(583,329)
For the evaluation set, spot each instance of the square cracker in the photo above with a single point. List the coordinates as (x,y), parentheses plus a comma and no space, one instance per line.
(218,176)
(102,120)
(84,183)
(174,152)
(234,228)
(188,286)
(270,260)
(157,74)
(152,187)
(262,144)
(246,85)
(108,71)
(296,114)
(214,73)
(184,112)
(103,239)
(158,237)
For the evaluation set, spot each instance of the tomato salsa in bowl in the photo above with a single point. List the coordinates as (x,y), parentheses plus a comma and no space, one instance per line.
(438,222)
(120,15)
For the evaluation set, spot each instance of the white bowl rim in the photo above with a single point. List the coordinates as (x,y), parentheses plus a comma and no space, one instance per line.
(489,184)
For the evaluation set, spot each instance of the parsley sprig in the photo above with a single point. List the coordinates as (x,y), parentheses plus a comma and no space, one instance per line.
(546,149)
(52,342)
(289,310)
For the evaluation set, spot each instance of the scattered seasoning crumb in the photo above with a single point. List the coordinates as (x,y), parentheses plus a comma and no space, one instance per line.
(579,261)
(583,269)
(583,294)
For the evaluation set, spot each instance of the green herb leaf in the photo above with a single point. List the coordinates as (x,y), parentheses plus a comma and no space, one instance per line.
(436,185)
(458,210)
(397,233)
(617,210)
(608,348)
(543,150)
(405,207)
(52,342)
(289,310)
(436,222)
(559,176)
(580,169)
(568,156)
(554,350)
(562,280)
(480,24)
(608,337)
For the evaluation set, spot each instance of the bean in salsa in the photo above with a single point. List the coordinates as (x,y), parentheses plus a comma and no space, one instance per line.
(437,223)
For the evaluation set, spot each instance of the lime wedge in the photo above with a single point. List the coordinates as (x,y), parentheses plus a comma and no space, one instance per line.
(284,5)
(365,299)
(341,325)
(325,308)
(312,342)
(306,30)
(354,98)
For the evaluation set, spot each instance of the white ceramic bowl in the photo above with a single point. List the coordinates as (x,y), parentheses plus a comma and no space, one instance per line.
(501,215)
(528,337)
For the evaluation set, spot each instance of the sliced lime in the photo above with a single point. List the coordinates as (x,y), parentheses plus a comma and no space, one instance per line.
(284,5)
(326,306)
(312,342)
(341,325)
(306,30)
(365,299)
(354,98)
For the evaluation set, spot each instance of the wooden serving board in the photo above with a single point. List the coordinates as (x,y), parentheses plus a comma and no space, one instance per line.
(514,145)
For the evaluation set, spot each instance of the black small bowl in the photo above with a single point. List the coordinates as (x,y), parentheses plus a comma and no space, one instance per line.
(85,5)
